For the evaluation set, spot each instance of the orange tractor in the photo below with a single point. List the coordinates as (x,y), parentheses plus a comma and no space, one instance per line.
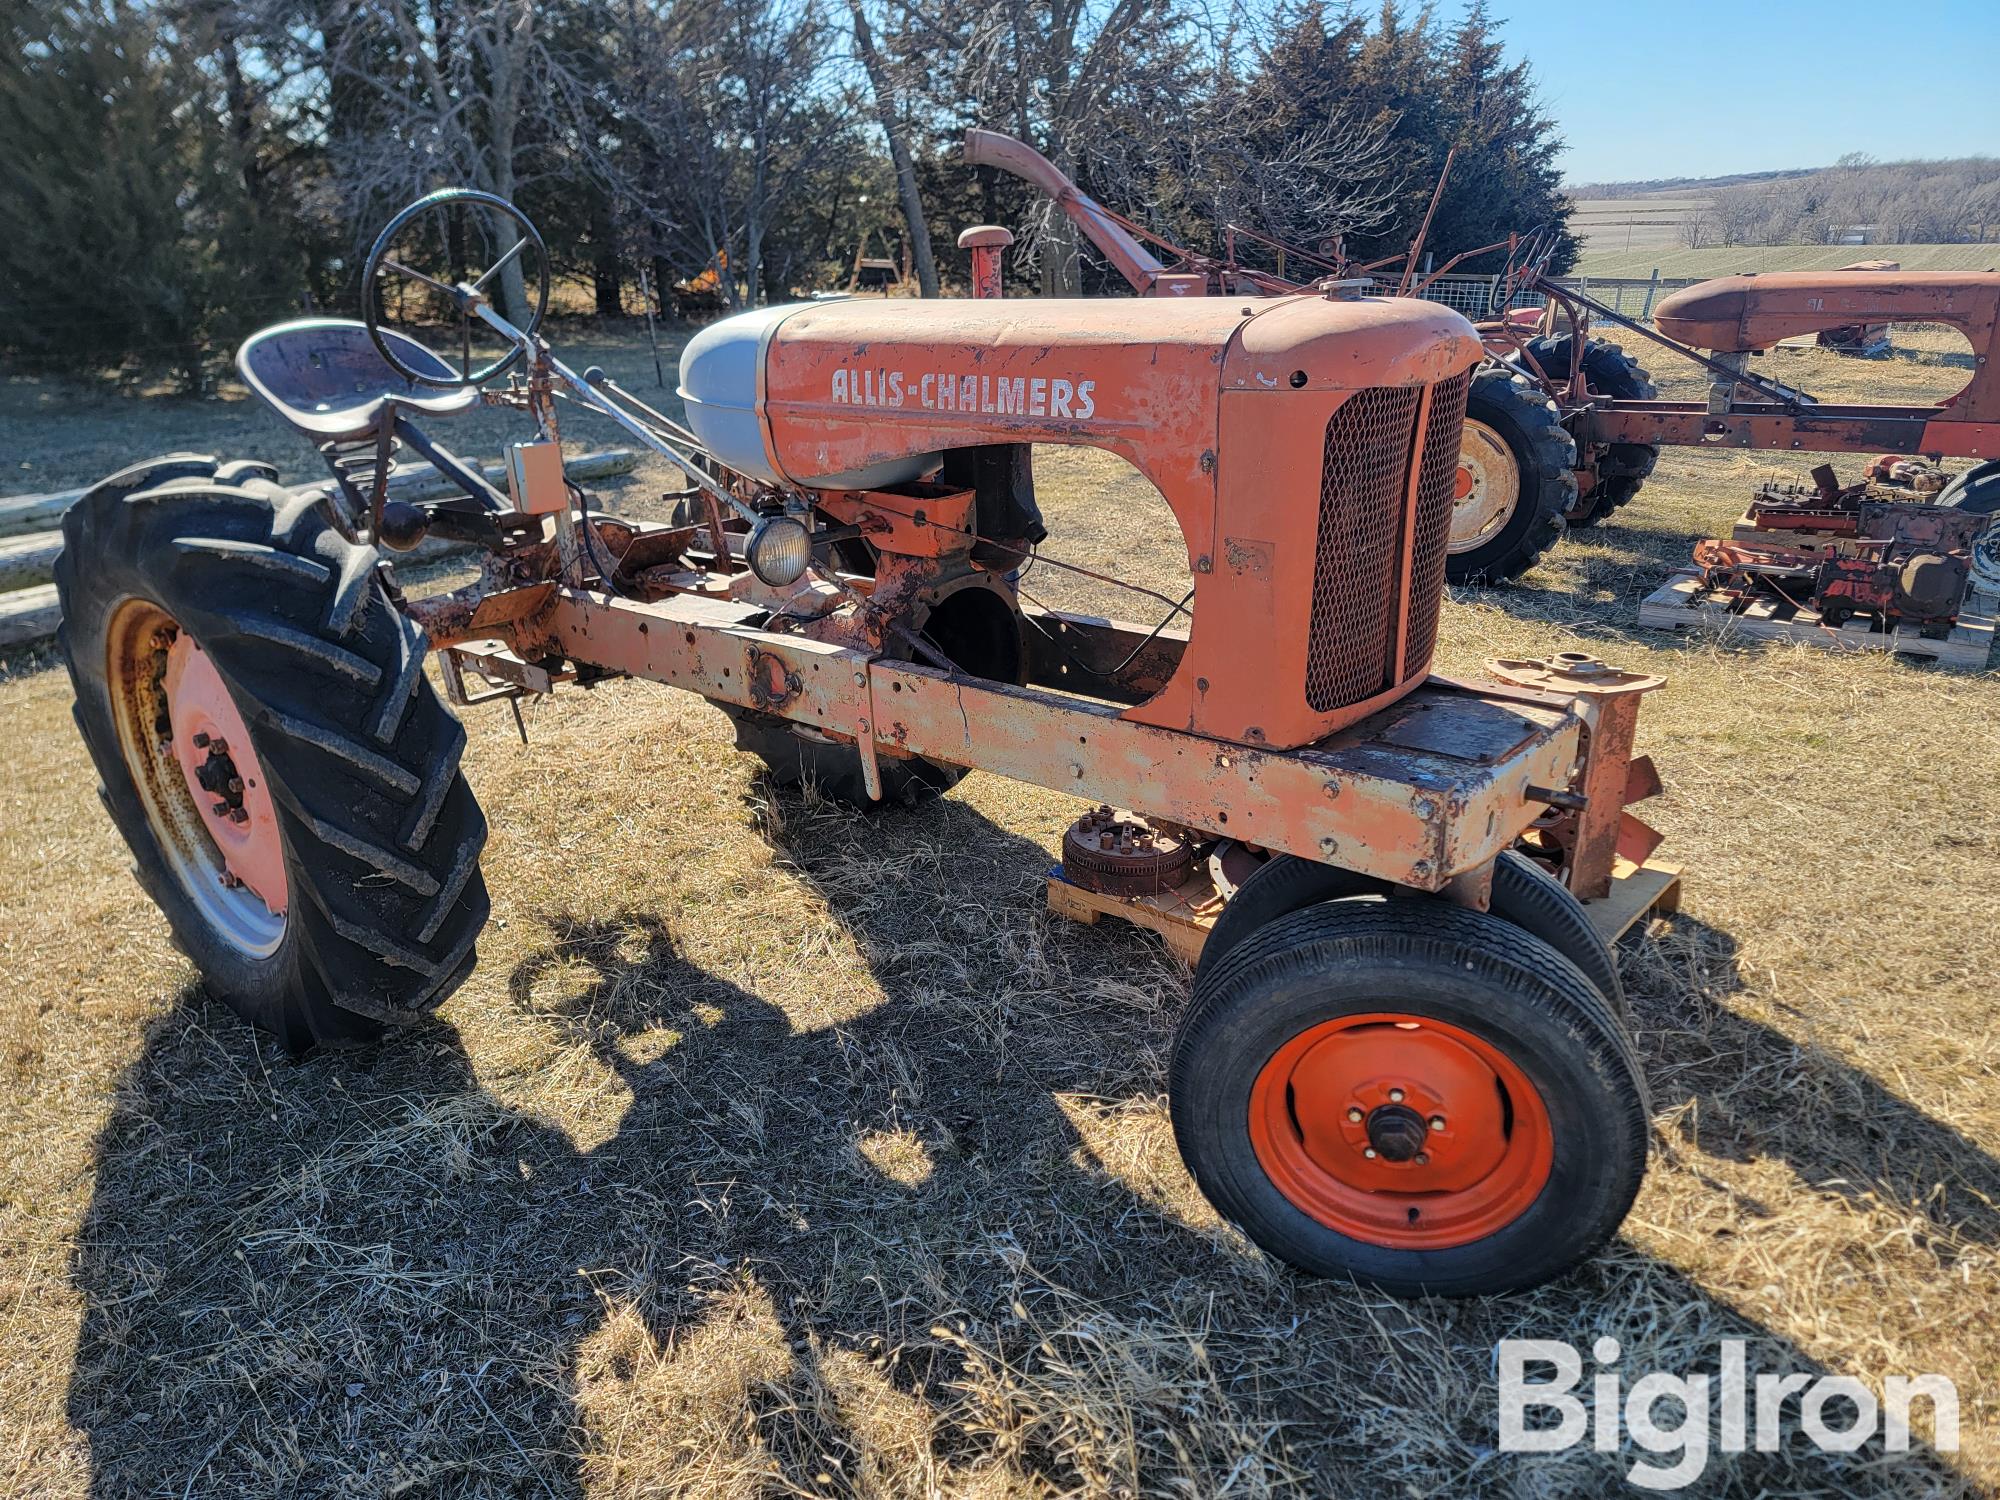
(1563,427)
(1406,1058)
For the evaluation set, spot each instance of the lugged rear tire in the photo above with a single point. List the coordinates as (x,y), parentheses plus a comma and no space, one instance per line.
(381,835)
(1621,467)
(1542,456)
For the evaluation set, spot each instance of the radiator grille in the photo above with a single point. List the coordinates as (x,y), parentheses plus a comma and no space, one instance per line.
(1357,561)
(1436,482)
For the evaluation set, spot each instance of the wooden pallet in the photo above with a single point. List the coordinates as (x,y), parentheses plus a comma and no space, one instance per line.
(1682,601)
(1183,917)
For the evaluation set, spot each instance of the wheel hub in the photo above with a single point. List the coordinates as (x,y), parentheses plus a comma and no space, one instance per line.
(1401,1131)
(1487,489)
(212,744)
(188,754)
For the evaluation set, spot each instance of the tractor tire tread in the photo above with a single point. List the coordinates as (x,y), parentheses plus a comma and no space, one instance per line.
(361,756)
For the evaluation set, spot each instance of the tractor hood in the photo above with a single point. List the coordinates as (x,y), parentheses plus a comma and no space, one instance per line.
(864,393)
(1733,314)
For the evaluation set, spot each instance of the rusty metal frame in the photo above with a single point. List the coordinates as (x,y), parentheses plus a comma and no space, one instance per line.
(1429,789)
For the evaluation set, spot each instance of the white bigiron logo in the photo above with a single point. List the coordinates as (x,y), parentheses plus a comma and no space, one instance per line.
(1747,1413)
(983,395)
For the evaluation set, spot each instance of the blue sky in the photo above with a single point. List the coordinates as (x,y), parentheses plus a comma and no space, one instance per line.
(1699,88)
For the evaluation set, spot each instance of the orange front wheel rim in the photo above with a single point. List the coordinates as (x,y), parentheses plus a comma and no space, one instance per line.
(1401,1131)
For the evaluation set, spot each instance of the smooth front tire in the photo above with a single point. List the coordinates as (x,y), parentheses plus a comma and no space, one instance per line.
(1427,1100)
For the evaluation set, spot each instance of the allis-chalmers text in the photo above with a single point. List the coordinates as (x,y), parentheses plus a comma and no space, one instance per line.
(986,395)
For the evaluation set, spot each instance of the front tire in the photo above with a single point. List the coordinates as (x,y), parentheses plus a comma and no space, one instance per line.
(1427,1100)
(1516,479)
(360,838)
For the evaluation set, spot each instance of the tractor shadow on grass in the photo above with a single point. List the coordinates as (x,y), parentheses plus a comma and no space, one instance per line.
(939,1246)
(1738,1089)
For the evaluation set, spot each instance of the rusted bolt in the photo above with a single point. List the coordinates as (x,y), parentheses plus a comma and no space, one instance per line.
(1204,564)
(236,783)
(220,809)
(239,815)
(200,740)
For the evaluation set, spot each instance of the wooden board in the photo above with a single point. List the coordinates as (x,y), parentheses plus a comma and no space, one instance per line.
(29,610)
(1184,916)
(29,615)
(1637,891)
(415,480)
(1681,601)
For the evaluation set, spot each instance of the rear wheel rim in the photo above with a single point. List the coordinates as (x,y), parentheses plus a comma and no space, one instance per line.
(205,796)
(1488,488)
(1401,1131)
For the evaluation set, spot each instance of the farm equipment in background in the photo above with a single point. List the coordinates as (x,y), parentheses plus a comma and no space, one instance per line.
(701,295)
(1406,1059)
(1563,426)
(1882,562)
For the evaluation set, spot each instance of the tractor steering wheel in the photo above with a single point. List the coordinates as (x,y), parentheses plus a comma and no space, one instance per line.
(458,295)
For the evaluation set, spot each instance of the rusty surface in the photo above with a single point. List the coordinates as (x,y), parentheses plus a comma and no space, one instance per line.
(1937,431)
(1365,798)
(1223,406)
(987,245)
(1118,853)
(1587,823)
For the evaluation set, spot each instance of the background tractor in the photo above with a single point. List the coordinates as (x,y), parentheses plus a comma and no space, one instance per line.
(1406,1058)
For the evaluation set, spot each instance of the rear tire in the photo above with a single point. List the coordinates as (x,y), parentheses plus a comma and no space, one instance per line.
(1976,490)
(1472,1023)
(1622,468)
(380,834)
(1515,432)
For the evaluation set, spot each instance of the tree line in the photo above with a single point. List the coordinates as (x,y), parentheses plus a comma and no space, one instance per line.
(180,172)
(1884,203)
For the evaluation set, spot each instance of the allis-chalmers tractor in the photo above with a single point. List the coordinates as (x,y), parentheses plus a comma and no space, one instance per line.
(1406,1058)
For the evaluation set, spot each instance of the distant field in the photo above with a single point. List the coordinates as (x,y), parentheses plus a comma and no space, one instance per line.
(1621,224)
(1603,257)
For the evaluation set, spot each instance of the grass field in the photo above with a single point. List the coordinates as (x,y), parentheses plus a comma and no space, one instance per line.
(769,1151)
(1605,255)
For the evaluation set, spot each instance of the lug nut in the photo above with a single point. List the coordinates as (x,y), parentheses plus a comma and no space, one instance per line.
(1437,1122)
(238,815)
(235,783)
(1423,1158)
(200,740)
(1395,1096)
(1369,1152)
(220,809)
(1354,1117)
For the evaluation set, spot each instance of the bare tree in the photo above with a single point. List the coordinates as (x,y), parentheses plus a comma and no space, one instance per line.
(883,85)
(723,114)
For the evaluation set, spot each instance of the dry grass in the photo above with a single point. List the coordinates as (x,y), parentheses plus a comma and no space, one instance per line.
(771,1152)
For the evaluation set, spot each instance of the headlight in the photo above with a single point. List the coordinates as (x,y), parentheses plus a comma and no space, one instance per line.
(780,549)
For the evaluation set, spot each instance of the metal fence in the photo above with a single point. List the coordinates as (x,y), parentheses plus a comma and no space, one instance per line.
(1631,297)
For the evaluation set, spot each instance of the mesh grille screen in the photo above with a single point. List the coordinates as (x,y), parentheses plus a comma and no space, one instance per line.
(1357,564)
(1436,481)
